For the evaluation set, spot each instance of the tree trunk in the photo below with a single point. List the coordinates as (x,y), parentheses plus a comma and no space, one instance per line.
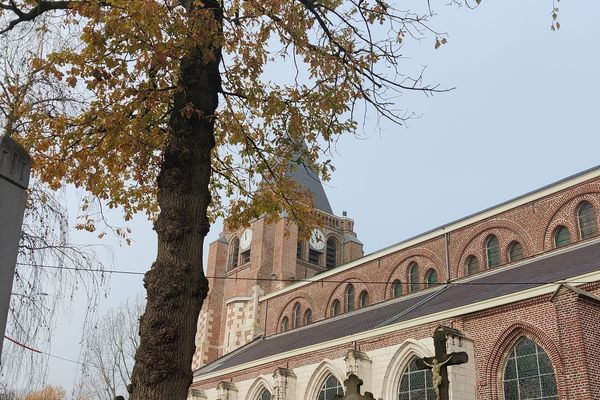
(176,285)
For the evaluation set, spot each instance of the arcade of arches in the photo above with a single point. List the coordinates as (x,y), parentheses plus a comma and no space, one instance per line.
(519,284)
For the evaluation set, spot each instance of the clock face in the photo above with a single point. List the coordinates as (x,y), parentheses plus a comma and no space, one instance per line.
(246,239)
(317,239)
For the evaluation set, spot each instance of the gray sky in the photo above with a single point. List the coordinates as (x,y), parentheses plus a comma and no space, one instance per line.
(523,114)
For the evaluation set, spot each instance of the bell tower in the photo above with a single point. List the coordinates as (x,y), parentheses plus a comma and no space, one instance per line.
(245,264)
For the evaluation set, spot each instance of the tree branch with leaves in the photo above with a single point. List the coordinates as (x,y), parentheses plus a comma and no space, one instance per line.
(176,90)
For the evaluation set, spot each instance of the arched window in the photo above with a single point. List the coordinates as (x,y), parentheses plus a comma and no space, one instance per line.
(431,277)
(300,250)
(335,308)
(264,395)
(330,388)
(349,297)
(492,251)
(472,265)
(331,256)
(416,384)
(396,288)
(307,316)
(586,217)
(528,373)
(562,237)
(515,251)
(363,299)
(234,252)
(413,276)
(285,324)
(296,315)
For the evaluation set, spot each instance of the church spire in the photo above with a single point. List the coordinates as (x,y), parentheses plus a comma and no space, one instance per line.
(302,173)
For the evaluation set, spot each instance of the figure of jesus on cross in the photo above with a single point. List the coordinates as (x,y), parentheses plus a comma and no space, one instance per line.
(440,362)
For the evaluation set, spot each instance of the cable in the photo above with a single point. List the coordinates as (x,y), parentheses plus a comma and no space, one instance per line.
(312,279)
(51,355)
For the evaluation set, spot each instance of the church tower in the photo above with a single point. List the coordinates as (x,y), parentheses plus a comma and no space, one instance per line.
(245,264)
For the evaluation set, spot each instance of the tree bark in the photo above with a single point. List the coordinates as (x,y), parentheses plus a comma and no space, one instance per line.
(175,284)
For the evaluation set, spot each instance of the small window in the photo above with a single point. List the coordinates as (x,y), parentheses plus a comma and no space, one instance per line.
(296,316)
(363,299)
(413,276)
(515,251)
(349,297)
(330,388)
(492,251)
(245,257)
(234,252)
(431,277)
(528,373)
(331,257)
(300,250)
(586,217)
(307,316)
(335,308)
(265,395)
(285,324)
(396,288)
(472,265)
(562,237)
(314,257)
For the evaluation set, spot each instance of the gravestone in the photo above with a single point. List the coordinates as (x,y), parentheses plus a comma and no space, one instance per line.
(15,165)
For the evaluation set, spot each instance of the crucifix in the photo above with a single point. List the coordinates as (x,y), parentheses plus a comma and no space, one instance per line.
(440,362)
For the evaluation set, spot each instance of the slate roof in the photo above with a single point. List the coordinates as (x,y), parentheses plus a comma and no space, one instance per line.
(307,178)
(557,266)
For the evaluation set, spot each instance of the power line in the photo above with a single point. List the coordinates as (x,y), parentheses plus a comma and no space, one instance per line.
(312,279)
(50,355)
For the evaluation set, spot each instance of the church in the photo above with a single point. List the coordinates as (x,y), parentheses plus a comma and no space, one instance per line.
(517,286)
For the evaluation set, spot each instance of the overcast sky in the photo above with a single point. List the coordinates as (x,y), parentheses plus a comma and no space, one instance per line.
(524,114)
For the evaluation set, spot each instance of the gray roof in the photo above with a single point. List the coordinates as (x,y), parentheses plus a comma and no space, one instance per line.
(307,178)
(503,281)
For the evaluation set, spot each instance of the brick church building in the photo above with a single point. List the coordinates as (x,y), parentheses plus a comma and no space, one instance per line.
(518,283)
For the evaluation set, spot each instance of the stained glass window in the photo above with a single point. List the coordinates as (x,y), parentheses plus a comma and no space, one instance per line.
(264,395)
(330,388)
(363,299)
(296,316)
(431,278)
(562,237)
(472,265)
(397,288)
(515,251)
(492,251)
(335,308)
(416,384)
(307,316)
(349,297)
(586,217)
(528,374)
(285,324)
(413,275)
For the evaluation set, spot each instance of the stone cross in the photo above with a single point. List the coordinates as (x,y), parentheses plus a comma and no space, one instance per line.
(353,384)
(440,362)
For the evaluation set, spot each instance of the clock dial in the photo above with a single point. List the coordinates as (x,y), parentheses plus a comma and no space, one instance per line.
(246,239)
(317,239)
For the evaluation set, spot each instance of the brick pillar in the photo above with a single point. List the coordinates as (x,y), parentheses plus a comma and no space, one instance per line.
(572,346)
